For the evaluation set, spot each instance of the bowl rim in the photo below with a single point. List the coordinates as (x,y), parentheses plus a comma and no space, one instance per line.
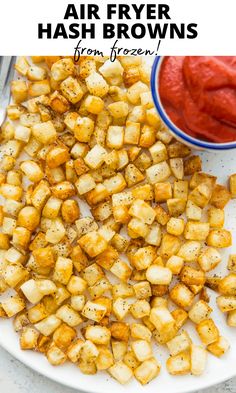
(165,118)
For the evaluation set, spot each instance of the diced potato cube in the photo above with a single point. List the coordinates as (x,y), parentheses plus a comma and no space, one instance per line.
(177,167)
(179,364)
(143,257)
(95,157)
(121,270)
(208,332)
(121,372)
(231,320)
(158,152)
(63,270)
(196,230)
(96,84)
(180,316)
(179,343)
(143,211)
(198,359)
(192,164)
(154,236)
(133,175)
(74,351)
(140,331)
(170,245)
(147,371)
(219,238)
(208,259)
(201,195)
(193,212)
(134,91)
(85,183)
(220,196)
(68,315)
(120,308)
(175,264)
(94,104)
(13,305)
(76,285)
(120,331)
(142,350)
(199,311)
(232,263)
(140,309)
(44,132)
(112,71)
(71,90)
(176,206)
(98,335)
(226,303)
(14,274)
(158,172)
(190,250)
(181,295)
(22,133)
(159,275)
(29,338)
(219,347)
(118,109)
(19,90)
(132,133)
(115,184)
(175,226)
(227,285)
(94,311)
(93,243)
(216,217)
(105,359)
(232,185)
(48,325)
(31,291)
(115,137)
(83,129)
(191,276)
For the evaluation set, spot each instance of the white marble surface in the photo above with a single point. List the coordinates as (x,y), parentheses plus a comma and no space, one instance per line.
(17,378)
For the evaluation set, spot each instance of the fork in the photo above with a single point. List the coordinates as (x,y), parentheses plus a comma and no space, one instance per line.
(6,75)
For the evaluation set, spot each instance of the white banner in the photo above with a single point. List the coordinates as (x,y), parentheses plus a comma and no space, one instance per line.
(112,27)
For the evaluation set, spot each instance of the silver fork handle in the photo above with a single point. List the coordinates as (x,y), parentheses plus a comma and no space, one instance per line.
(6,75)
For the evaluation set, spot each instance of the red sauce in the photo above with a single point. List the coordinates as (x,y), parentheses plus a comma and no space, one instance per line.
(199,95)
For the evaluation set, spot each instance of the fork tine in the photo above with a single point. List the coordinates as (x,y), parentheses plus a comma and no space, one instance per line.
(5,86)
(1,60)
(5,65)
(10,70)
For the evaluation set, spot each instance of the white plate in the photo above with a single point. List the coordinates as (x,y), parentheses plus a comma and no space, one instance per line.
(218,370)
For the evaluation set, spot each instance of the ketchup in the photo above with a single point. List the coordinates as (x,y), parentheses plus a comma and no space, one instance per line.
(199,95)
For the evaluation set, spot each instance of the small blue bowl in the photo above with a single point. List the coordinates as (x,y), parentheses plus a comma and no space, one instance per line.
(177,132)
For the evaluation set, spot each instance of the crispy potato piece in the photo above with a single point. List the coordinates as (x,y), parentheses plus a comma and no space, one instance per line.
(199,311)
(226,285)
(192,164)
(220,196)
(179,343)
(196,230)
(198,359)
(121,372)
(219,238)
(179,364)
(208,332)
(181,295)
(232,185)
(120,331)
(232,263)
